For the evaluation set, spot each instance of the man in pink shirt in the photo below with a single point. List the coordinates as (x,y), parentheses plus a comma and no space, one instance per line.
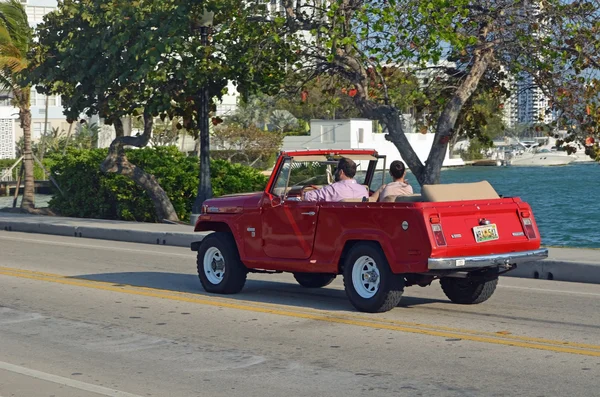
(345,186)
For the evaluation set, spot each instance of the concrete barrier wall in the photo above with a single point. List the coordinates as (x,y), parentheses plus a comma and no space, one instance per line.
(178,239)
(559,270)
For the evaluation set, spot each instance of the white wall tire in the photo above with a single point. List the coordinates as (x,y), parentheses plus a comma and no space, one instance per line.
(365,277)
(214,265)
(370,284)
(219,266)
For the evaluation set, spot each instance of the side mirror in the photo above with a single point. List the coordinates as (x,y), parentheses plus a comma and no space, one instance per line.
(276,201)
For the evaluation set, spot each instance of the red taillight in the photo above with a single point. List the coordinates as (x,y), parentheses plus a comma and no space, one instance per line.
(434,219)
(528,226)
(436,228)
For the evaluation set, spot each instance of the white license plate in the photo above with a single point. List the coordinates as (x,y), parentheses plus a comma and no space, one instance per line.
(485,233)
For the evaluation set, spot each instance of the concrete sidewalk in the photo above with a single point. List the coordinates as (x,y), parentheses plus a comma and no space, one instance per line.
(563,264)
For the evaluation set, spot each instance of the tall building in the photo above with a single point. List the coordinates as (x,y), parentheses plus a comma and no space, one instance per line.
(10,130)
(534,105)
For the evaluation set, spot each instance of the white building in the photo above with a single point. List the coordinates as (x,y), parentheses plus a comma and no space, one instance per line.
(358,134)
(10,130)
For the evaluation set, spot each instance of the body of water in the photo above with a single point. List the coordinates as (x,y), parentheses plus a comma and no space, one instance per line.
(41,200)
(565,200)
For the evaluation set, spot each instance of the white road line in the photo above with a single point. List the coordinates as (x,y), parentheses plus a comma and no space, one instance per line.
(105,391)
(75,245)
(551,290)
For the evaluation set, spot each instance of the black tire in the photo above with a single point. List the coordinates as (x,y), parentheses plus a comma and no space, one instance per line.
(467,291)
(225,273)
(386,295)
(314,280)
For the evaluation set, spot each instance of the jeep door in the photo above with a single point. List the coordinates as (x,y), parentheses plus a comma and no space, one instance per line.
(288,226)
(289,229)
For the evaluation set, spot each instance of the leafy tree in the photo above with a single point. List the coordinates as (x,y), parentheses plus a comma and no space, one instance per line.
(325,97)
(86,136)
(15,42)
(249,144)
(116,59)
(578,108)
(551,41)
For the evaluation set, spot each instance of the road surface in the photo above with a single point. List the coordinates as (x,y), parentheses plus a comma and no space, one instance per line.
(102,318)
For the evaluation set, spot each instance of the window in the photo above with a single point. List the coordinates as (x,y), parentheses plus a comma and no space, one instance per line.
(5,99)
(37,129)
(39,100)
(282,178)
(35,15)
(361,135)
(328,133)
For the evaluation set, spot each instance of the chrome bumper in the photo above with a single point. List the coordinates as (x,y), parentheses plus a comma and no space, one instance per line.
(471,262)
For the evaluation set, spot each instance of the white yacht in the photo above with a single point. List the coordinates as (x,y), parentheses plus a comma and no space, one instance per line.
(533,155)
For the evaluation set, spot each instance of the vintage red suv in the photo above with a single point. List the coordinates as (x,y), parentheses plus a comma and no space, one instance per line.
(465,235)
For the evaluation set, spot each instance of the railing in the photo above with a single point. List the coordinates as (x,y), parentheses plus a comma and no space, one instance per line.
(6,175)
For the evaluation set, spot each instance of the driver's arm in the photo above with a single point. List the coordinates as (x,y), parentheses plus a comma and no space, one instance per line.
(326,193)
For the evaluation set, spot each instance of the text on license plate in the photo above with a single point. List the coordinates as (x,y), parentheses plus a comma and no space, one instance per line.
(485,233)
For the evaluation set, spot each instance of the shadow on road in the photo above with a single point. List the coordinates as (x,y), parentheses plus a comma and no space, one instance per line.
(277,292)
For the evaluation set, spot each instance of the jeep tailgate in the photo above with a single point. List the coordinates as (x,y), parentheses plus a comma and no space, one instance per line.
(482,227)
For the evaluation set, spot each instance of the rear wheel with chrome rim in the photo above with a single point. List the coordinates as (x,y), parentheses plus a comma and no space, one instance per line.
(370,284)
(219,266)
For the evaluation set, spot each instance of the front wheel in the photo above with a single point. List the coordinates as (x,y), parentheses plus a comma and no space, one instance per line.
(219,266)
(370,284)
(314,280)
(468,291)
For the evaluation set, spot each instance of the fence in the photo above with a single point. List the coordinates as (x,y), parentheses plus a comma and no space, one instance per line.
(6,175)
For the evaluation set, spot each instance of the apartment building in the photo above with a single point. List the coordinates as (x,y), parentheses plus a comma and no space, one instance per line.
(42,107)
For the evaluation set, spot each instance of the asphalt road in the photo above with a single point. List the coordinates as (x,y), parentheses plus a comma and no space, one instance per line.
(100,318)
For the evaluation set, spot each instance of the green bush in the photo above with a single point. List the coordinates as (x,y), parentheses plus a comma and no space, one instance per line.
(89,193)
(228,178)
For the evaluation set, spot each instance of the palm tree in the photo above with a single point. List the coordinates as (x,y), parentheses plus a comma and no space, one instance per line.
(15,40)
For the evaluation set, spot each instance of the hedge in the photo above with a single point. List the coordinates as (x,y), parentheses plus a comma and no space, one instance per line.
(89,193)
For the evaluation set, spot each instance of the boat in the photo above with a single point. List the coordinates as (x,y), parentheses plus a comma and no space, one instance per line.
(488,163)
(532,155)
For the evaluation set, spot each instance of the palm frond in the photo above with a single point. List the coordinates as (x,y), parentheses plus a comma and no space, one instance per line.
(14,18)
(12,64)
(6,84)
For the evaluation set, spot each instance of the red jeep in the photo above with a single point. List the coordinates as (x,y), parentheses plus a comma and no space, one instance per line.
(464,234)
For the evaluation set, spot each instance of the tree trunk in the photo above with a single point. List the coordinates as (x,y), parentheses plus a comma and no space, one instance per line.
(28,201)
(68,137)
(391,118)
(117,162)
(396,135)
(42,147)
(204,185)
(448,117)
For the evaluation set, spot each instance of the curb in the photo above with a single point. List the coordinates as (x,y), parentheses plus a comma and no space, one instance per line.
(132,236)
(548,269)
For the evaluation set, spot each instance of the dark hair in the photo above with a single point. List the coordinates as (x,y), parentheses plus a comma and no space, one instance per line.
(348,166)
(397,169)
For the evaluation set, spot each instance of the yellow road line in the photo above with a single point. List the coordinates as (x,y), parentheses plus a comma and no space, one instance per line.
(317,315)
